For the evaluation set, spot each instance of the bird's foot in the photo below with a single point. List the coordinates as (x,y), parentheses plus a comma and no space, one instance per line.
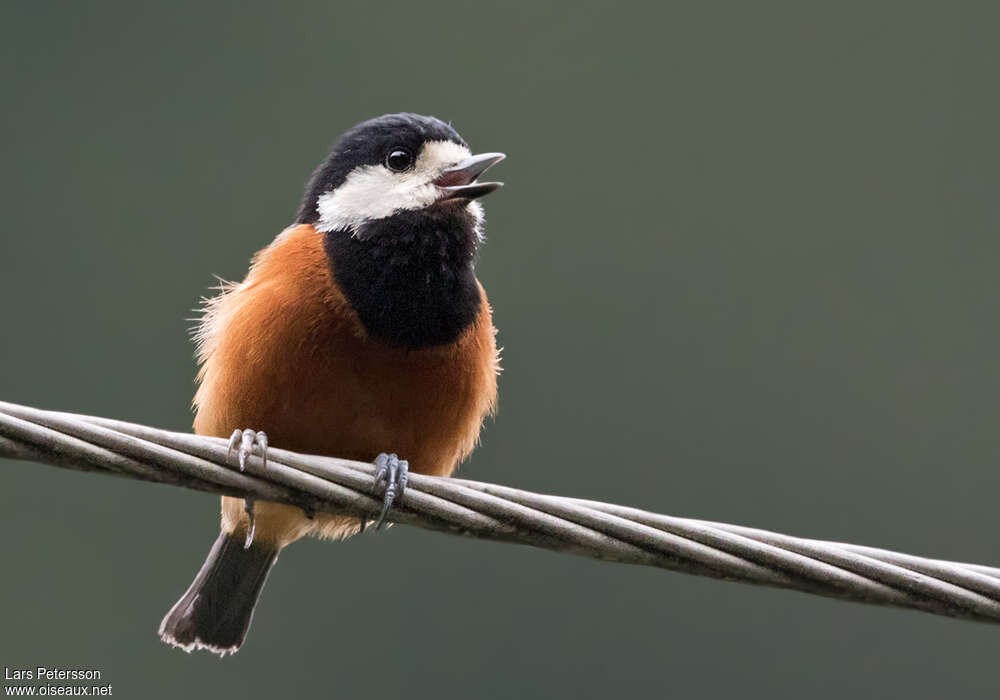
(244,442)
(392,470)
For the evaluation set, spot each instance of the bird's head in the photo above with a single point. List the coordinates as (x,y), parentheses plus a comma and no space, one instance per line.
(396,203)
(397,164)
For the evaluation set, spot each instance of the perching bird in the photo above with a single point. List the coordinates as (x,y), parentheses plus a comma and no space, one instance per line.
(361,332)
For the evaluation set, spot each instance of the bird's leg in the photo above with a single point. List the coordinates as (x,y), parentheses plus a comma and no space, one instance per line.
(244,441)
(395,473)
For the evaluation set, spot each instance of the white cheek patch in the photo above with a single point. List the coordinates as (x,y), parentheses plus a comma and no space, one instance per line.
(374,192)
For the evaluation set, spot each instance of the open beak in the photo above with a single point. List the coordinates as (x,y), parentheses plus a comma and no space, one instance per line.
(459,181)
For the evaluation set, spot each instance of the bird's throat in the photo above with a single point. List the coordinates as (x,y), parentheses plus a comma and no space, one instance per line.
(410,277)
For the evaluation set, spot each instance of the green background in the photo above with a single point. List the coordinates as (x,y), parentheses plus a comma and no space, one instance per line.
(744,269)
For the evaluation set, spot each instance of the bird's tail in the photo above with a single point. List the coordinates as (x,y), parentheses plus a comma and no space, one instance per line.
(215,612)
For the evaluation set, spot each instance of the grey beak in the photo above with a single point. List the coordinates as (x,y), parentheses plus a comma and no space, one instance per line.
(459,181)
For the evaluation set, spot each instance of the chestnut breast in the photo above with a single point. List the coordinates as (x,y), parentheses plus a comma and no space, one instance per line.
(285,353)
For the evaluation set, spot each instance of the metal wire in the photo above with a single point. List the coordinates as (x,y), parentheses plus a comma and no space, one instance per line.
(489,511)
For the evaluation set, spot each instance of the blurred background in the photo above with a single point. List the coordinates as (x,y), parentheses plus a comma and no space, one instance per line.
(744,269)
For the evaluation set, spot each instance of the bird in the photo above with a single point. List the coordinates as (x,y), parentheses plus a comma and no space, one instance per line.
(360,332)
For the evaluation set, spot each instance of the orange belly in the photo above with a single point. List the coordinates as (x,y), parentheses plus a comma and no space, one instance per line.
(283,352)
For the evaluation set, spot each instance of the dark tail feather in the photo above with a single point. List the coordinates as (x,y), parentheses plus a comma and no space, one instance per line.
(215,612)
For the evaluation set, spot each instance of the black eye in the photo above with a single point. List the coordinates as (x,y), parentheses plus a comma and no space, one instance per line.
(399,160)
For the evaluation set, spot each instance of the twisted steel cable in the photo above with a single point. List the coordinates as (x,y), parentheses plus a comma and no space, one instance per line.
(489,511)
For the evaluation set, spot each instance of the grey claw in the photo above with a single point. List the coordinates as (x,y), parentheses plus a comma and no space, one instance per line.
(234,440)
(246,448)
(380,470)
(262,444)
(404,476)
(244,441)
(390,496)
(395,473)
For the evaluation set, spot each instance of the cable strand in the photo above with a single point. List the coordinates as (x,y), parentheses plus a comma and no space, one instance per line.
(489,511)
